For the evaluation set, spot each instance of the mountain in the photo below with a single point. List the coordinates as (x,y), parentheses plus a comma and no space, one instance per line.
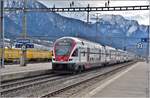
(113,30)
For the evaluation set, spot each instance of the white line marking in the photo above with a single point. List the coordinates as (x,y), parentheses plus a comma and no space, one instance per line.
(98,89)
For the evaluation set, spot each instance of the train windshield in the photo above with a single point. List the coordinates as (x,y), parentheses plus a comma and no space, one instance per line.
(63,47)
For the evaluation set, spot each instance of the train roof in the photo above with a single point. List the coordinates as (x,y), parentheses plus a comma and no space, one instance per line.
(80,40)
(74,38)
(87,42)
(110,48)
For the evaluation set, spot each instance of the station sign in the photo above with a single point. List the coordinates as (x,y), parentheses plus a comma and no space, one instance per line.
(30,45)
(145,40)
(24,41)
(18,45)
(27,45)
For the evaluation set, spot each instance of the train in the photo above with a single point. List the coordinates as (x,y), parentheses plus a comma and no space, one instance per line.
(74,55)
(12,55)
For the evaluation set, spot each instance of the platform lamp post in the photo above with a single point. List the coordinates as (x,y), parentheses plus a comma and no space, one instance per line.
(23,61)
(1,34)
(148,66)
(148,42)
(147,60)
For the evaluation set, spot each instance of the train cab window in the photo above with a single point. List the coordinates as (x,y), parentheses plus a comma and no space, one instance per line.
(75,53)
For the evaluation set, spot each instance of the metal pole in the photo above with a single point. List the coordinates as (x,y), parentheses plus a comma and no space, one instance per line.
(2,35)
(88,14)
(147,60)
(96,27)
(23,54)
(97,20)
(148,38)
(24,20)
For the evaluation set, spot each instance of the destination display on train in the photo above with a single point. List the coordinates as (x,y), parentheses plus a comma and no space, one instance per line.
(64,43)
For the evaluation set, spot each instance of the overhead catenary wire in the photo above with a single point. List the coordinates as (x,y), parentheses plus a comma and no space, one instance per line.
(80,9)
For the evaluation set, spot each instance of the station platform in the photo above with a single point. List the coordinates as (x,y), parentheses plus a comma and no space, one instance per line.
(11,72)
(129,83)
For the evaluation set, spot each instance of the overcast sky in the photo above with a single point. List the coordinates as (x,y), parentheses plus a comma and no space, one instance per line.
(141,16)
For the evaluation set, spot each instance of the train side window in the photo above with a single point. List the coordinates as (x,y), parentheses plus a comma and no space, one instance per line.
(75,53)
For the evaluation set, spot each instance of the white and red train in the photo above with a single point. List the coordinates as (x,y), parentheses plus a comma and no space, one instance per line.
(72,54)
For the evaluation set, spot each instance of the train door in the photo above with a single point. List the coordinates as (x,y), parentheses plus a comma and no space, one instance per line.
(88,54)
(103,55)
(117,58)
(112,57)
(75,55)
(100,55)
(83,55)
(109,55)
(79,54)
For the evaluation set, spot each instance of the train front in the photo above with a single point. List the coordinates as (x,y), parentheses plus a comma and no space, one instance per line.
(62,51)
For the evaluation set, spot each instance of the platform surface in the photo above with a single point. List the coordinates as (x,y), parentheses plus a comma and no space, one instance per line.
(30,67)
(130,83)
(17,71)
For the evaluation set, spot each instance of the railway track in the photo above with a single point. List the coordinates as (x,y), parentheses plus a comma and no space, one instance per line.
(58,92)
(12,90)
(15,85)
(52,85)
(19,87)
(16,82)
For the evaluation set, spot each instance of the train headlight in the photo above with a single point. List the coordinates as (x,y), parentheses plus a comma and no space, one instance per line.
(53,59)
